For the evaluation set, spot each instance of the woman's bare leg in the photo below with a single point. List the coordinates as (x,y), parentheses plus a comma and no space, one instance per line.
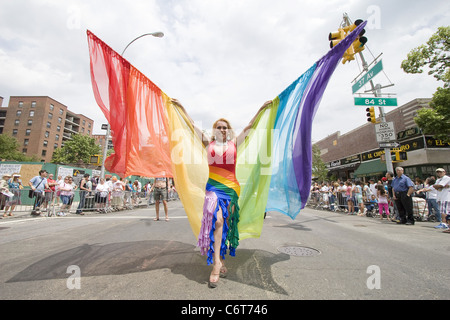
(217,264)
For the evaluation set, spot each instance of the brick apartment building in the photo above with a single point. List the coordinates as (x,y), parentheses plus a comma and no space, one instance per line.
(356,154)
(41,124)
(100,140)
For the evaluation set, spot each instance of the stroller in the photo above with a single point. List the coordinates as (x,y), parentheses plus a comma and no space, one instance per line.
(372,208)
(419,209)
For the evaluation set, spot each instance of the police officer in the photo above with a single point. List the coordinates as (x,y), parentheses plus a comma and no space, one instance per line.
(402,188)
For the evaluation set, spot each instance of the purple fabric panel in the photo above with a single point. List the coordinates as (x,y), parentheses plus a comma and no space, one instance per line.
(302,151)
(209,207)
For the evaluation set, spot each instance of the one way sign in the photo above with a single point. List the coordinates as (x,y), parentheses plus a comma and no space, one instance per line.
(389,144)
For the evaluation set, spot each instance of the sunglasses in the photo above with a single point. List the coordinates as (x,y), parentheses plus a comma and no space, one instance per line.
(220,128)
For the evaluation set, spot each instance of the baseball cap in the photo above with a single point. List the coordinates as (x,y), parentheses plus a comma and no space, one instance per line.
(440,169)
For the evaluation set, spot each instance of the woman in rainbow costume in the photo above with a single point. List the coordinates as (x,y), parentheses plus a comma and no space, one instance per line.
(219,229)
(274,162)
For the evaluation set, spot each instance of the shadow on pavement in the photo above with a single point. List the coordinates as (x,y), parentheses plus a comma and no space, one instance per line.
(250,267)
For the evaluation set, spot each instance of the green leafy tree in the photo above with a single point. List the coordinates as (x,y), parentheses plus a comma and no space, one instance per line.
(109,152)
(9,149)
(436,121)
(319,169)
(436,56)
(80,148)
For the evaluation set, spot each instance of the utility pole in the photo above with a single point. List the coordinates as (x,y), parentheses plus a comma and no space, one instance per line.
(376,90)
(105,150)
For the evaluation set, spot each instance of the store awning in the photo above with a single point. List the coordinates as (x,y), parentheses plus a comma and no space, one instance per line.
(370,168)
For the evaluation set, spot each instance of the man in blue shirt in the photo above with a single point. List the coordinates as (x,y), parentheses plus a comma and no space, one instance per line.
(38,184)
(402,188)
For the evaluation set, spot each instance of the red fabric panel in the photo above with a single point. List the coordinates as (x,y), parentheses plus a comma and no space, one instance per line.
(136,111)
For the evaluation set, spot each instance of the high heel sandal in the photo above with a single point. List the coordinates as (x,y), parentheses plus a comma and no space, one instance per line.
(213,284)
(223,272)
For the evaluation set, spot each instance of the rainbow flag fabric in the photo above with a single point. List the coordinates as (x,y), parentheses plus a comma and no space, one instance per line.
(153,138)
(222,192)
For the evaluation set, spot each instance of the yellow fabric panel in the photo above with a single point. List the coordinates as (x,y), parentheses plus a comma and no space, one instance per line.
(189,165)
(253,172)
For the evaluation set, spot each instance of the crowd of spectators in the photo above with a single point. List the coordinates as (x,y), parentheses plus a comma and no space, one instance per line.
(394,197)
(95,193)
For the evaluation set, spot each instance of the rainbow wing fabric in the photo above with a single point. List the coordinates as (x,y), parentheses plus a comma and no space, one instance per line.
(152,137)
(274,167)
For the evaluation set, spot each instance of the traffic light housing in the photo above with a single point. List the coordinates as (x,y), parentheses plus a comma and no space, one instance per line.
(399,156)
(95,159)
(357,45)
(349,55)
(336,37)
(371,114)
(396,156)
(353,26)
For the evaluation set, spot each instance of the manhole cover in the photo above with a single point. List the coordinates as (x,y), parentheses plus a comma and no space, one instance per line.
(299,251)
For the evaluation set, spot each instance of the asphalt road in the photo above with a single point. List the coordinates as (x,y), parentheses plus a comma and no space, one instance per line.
(127,255)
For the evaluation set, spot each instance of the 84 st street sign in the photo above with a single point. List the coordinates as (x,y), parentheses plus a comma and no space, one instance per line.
(376,102)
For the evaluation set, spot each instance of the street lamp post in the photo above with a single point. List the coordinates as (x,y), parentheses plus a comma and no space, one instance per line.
(154,34)
(105,150)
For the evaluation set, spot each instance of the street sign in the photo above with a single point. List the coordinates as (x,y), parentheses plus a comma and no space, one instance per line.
(376,69)
(105,126)
(385,132)
(377,102)
(389,144)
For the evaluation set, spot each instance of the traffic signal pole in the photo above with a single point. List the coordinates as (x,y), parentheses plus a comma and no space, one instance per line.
(105,151)
(376,90)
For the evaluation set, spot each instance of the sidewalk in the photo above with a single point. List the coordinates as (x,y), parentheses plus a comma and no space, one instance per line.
(54,209)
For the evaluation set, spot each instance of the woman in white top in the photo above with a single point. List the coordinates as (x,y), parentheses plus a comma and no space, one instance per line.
(65,189)
(101,194)
(431,196)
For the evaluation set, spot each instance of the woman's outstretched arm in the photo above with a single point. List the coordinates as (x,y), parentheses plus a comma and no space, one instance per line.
(245,132)
(204,138)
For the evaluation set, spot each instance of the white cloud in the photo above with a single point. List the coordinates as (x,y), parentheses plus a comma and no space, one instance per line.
(219,58)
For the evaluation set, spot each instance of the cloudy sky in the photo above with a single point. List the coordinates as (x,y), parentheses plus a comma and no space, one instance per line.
(219,58)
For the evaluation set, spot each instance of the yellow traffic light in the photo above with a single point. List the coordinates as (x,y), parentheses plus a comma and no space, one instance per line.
(95,159)
(399,156)
(371,115)
(353,26)
(396,156)
(348,55)
(336,37)
(358,44)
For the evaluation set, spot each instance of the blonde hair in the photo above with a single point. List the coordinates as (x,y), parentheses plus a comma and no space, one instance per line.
(230,135)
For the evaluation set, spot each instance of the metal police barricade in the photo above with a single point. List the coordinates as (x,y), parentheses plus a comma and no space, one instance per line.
(60,203)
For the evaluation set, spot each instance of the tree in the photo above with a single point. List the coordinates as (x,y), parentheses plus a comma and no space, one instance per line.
(436,121)
(319,169)
(436,56)
(9,149)
(80,148)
